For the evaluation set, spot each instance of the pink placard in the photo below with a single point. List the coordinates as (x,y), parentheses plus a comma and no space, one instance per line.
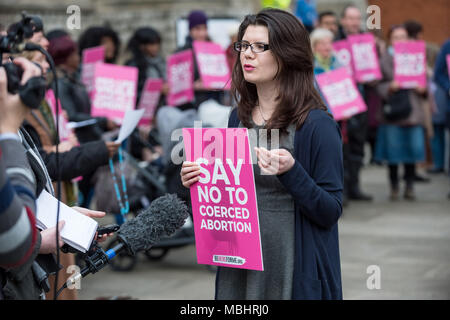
(91,56)
(212,65)
(366,67)
(410,64)
(180,77)
(341,93)
(224,202)
(114,91)
(343,54)
(64,130)
(149,99)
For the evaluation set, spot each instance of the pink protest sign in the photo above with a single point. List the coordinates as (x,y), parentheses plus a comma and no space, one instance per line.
(149,99)
(91,56)
(366,67)
(341,93)
(410,64)
(224,202)
(64,130)
(212,65)
(343,54)
(180,77)
(114,91)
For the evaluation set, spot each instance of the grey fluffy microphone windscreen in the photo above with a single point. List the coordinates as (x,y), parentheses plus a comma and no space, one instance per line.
(164,216)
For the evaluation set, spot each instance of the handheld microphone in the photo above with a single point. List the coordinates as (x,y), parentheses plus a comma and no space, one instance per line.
(165,215)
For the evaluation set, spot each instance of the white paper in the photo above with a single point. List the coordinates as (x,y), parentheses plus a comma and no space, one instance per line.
(130,121)
(78,231)
(80,124)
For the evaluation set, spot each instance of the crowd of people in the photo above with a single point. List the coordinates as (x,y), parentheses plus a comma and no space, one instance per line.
(393,143)
(28,138)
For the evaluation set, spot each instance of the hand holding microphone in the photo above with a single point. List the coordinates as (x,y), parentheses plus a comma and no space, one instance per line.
(165,215)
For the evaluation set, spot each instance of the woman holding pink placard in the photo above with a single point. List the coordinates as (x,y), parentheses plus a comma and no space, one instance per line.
(400,138)
(299,181)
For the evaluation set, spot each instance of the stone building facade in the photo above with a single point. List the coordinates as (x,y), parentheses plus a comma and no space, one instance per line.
(125,16)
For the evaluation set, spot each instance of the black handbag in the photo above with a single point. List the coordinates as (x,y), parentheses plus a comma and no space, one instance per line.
(397,106)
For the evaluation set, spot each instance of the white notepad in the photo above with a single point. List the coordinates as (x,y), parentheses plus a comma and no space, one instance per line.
(79,230)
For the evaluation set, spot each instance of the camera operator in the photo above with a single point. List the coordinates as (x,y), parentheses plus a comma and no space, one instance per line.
(74,160)
(20,242)
(24,277)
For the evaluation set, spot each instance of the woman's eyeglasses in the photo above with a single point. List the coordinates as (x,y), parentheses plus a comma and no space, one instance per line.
(257,47)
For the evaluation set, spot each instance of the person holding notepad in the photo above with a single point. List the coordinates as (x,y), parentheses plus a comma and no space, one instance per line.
(299,184)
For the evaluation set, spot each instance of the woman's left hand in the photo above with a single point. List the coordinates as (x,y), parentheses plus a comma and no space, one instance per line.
(274,162)
(94,214)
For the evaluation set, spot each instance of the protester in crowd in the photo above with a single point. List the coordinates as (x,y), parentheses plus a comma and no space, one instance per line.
(17,210)
(324,61)
(101,36)
(75,99)
(400,141)
(299,200)
(198,31)
(322,47)
(436,100)
(415,32)
(356,126)
(72,93)
(350,22)
(145,47)
(441,77)
(328,20)
(373,100)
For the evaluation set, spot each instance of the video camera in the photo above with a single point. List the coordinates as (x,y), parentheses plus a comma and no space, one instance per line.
(32,92)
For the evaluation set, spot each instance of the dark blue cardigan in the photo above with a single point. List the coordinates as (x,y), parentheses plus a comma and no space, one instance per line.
(316,184)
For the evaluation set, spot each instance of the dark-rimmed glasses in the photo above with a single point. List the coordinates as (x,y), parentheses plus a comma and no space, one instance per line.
(256,47)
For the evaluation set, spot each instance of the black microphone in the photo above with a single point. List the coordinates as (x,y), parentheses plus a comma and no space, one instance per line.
(165,215)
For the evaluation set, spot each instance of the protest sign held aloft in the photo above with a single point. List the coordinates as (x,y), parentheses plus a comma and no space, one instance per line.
(341,93)
(410,64)
(114,91)
(366,67)
(180,77)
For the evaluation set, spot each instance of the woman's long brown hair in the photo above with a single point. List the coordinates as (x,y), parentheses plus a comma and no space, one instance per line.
(290,44)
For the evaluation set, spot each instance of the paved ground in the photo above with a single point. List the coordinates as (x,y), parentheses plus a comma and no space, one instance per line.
(407,242)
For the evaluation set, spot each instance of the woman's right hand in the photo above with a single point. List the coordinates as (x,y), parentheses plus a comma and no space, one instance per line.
(394,86)
(189,173)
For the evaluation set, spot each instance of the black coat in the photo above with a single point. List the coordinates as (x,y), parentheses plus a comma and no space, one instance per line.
(79,161)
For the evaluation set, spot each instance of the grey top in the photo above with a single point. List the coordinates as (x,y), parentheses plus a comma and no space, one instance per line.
(276,221)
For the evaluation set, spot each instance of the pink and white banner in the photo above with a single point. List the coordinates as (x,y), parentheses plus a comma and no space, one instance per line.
(90,57)
(344,54)
(180,77)
(64,130)
(212,65)
(366,66)
(410,64)
(224,202)
(339,89)
(149,99)
(114,91)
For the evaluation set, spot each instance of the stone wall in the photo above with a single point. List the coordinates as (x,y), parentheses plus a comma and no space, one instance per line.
(125,16)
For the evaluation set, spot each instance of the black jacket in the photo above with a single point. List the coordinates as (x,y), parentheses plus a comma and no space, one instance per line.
(79,161)
(76,102)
